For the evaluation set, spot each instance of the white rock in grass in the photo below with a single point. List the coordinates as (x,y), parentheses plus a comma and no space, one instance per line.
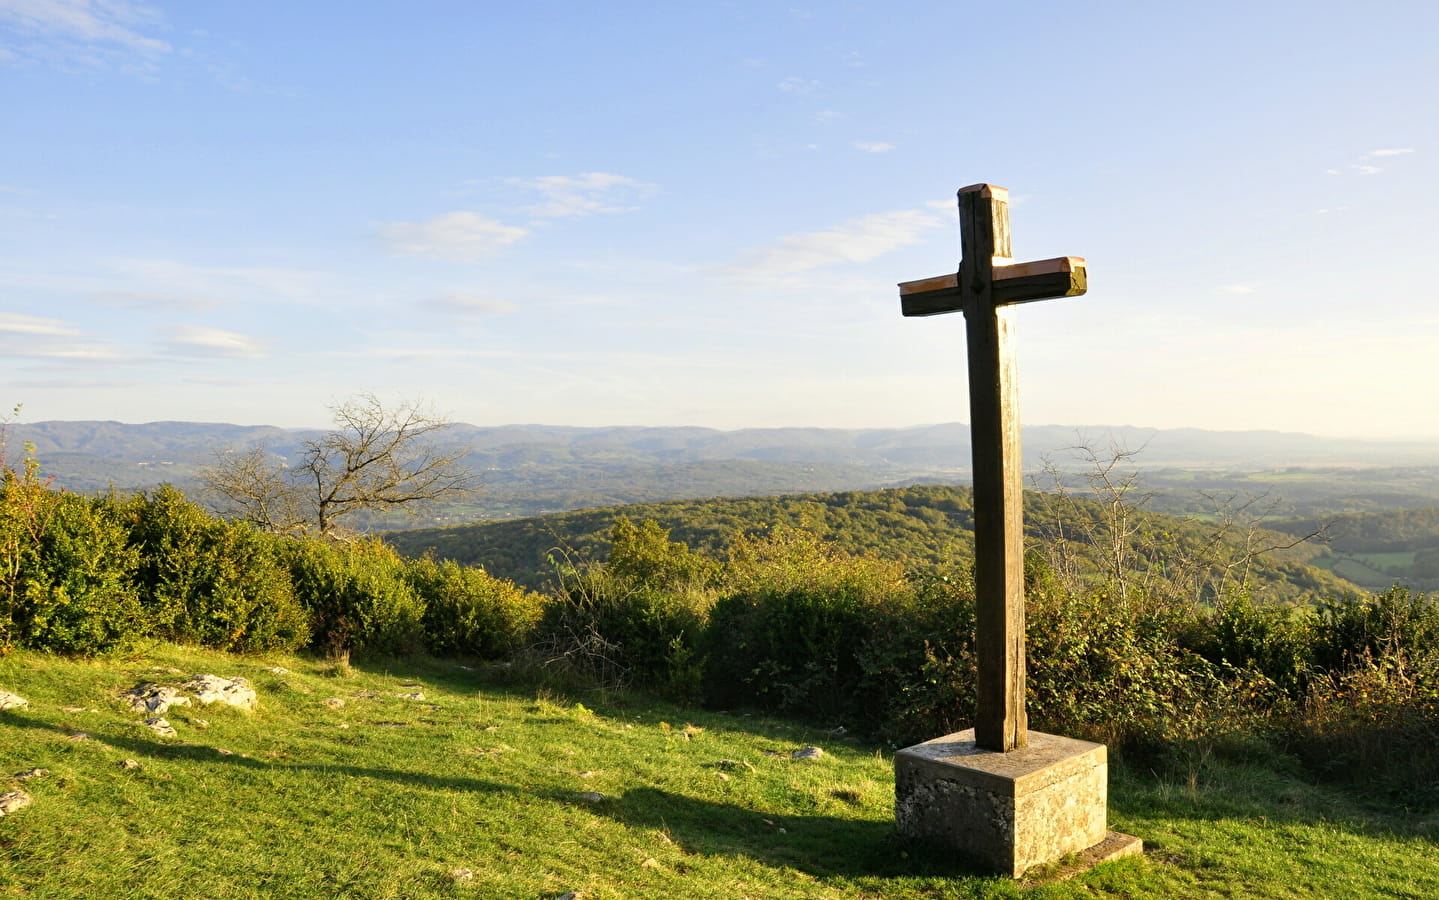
(231,691)
(153,698)
(807,753)
(13,801)
(31,773)
(160,726)
(12,701)
(333,703)
(129,764)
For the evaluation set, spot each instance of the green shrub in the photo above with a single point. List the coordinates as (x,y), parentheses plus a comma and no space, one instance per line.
(1274,641)
(1375,724)
(639,618)
(615,630)
(1112,669)
(791,629)
(471,612)
(918,661)
(1352,630)
(358,597)
(644,554)
(69,573)
(209,582)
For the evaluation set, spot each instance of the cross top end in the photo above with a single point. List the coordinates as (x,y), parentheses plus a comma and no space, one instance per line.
(987,190)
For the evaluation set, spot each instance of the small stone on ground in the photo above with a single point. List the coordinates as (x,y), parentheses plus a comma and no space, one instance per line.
(160,726)
(31,773)
(12,701)
(807,753)
(153,698)
(13,801)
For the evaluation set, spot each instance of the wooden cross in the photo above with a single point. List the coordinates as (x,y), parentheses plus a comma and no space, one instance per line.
(986,288)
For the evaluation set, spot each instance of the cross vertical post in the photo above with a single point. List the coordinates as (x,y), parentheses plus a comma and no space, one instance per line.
(986,288)
(1000,720)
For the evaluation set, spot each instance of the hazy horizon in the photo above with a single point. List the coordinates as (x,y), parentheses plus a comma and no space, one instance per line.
(1090,430)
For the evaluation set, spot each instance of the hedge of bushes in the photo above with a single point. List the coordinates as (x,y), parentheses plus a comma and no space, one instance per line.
(787,624)
(790,625)
(88,575)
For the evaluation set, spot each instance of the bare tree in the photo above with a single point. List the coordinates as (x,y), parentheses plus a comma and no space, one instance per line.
(375,458)
(1110,532)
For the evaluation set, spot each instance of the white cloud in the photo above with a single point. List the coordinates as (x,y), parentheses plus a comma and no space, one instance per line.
(34,337)
(91,32)
(795,85)
(16,323)
(1235,289)
(873,146)
(456,236)
(197,340)
(83,353)
(469,305)
(855,241)
(569,196)
(1363,169)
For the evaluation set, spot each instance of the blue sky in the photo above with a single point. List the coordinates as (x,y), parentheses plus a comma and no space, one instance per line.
(693,213)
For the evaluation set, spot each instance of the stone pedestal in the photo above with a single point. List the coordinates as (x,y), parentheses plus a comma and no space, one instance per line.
(1008,812)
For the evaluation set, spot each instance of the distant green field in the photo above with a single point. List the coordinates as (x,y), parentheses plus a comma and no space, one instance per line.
(1376,571)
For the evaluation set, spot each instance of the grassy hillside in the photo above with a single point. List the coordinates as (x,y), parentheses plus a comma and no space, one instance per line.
(433,780)
(921,525)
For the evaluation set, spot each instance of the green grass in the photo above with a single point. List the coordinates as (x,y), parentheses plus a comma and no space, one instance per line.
(390,798)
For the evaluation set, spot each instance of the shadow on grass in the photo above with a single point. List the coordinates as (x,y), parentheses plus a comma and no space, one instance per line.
(823,846)
(203,753)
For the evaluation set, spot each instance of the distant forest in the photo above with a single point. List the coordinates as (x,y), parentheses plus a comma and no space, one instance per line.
(928,527)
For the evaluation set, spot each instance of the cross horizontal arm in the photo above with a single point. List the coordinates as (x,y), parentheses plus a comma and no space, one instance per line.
(1063,276)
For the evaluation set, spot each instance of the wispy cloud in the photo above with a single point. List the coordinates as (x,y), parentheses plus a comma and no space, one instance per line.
(469,305)
(90,33)
(1235,289)
(873,146)
(569,196)
(200,341)
(35,337)
(17,323)
(456,236)
(858,240)
(153,300)
(1364,168)
(796,85)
